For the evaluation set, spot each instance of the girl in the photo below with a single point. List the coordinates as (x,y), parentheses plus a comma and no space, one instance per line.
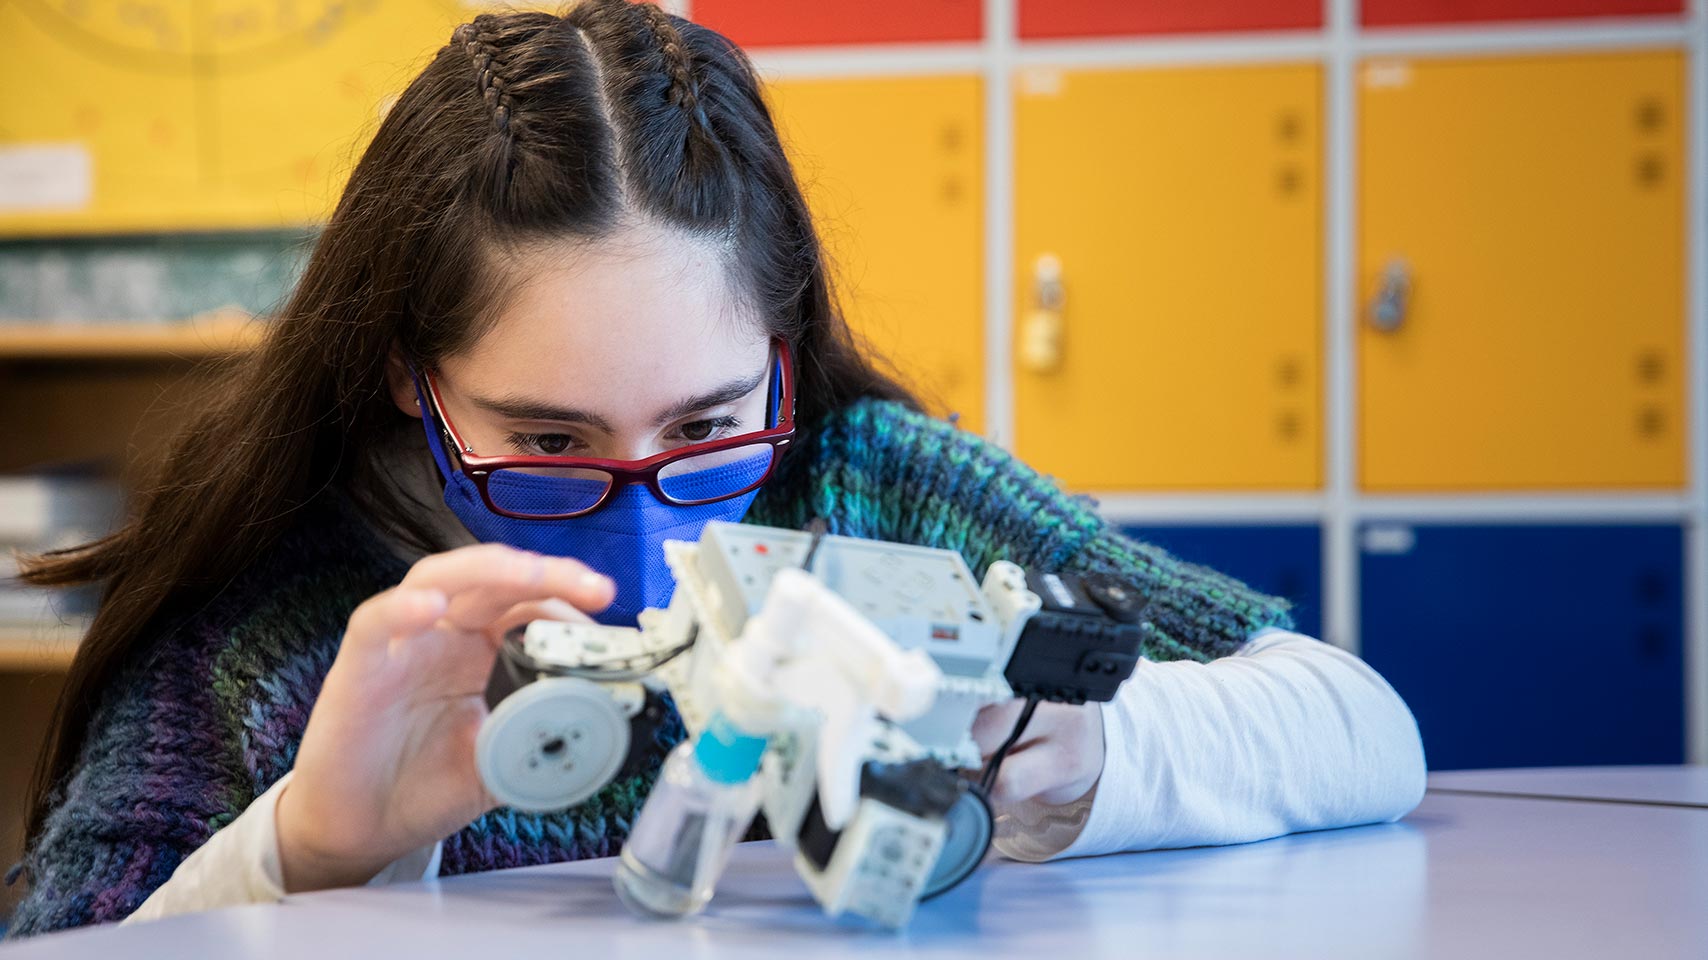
(578,237)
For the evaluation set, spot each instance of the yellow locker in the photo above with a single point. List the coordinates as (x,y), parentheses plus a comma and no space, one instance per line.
(1521,273)
(893,169)
(1168,277)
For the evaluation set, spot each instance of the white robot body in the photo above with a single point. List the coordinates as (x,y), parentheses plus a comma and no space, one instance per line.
(864,664)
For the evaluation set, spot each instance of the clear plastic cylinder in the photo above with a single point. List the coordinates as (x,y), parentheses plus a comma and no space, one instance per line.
(699,808)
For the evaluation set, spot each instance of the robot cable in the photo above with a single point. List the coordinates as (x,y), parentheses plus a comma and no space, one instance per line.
(988,781)
(617,670)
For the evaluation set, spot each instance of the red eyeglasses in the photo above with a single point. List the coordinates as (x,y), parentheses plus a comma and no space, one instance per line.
(557,488)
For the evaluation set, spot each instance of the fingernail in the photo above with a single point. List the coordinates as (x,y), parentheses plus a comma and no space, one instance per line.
(593,581)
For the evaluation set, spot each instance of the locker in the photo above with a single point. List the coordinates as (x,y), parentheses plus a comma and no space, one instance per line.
(1046,19)
(1393,12)
(893,168)
(1521,273)
(1283,559)
(1167,294)
(1531,645)
(765,23)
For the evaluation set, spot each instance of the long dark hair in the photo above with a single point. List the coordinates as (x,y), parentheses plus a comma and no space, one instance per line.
(526,127)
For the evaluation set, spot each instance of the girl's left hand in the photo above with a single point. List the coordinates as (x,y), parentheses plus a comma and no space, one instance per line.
(1058,759)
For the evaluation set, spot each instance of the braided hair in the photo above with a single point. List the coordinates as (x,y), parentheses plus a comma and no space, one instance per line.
(478,46)
(676,65)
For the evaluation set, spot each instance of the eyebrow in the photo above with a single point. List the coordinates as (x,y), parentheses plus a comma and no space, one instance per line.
(522,408)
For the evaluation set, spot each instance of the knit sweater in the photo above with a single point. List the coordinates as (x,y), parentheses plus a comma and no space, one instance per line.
(208,713)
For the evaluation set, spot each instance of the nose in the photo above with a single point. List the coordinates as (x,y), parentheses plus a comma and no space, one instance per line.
(633,448)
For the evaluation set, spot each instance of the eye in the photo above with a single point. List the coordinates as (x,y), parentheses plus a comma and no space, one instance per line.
(699,431)
(541,444)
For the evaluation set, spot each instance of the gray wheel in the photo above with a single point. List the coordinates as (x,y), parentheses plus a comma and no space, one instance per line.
(551,744)
(971,827)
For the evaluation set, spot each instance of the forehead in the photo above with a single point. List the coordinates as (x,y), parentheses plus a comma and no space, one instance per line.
(634,321)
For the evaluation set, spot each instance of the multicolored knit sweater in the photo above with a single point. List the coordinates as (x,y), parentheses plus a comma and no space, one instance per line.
(209,714)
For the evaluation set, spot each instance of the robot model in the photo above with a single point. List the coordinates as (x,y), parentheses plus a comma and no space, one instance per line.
(830,682)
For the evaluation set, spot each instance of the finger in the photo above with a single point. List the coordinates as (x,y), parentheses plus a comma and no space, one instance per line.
(1046,772)
(399,611)
(485,581)
(525,613)
(477,610)
(494,565)
(1048,719)
(993,724)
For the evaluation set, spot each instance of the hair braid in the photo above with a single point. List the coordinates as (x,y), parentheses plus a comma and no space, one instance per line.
(483,55)
(682,92)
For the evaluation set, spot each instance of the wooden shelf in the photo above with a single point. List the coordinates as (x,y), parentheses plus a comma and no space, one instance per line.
(27,647)
(210,335)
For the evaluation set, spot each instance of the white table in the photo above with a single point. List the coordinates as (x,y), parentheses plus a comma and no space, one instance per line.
(1462,877)
(1681,786)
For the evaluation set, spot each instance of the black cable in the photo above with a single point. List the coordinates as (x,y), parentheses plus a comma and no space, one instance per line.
(817,526)
(990,769)
(616,670)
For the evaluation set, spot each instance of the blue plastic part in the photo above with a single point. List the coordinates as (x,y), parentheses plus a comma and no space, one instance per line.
(726,754)
(1284,559)
(1529,645)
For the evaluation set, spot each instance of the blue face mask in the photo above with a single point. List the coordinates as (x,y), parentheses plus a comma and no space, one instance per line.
(623,539)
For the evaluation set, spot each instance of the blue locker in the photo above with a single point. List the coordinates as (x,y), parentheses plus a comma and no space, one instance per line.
(1285,560)
(1519,645)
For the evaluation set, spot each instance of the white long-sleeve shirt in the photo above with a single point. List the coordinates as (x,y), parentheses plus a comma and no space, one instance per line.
(1289,734)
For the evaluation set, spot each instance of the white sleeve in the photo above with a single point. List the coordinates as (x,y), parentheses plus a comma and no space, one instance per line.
(1289,734)
(240,864)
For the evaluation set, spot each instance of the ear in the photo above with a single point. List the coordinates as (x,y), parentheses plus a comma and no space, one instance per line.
(401,384)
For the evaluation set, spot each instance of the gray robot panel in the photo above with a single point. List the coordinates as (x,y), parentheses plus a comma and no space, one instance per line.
(923,598)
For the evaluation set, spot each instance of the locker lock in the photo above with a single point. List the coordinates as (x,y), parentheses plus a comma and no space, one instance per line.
(1393,297)
(1041,334)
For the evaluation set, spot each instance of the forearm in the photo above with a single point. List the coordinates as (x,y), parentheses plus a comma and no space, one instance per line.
(240,865)
(1289,735)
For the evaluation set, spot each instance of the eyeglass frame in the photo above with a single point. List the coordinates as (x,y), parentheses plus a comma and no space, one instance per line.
(623,473)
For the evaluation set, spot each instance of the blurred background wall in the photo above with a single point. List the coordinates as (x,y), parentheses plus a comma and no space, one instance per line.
(1396,308)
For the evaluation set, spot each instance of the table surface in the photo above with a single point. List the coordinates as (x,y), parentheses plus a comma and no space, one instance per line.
(1463,876)
(1683,786)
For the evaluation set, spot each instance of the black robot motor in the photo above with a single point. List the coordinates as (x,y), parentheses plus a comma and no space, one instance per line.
(1083,643)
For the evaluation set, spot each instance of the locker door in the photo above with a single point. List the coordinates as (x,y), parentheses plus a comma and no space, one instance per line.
(894,172)
(760,23)
(1285,560)
(1391,12)
(1167,265)
(1531,645)
(1044,19)
(1521,268)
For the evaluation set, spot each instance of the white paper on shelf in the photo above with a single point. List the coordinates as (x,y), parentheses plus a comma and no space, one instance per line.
(46,176)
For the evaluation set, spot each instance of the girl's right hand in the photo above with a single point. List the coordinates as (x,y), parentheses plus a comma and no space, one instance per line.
(387,763)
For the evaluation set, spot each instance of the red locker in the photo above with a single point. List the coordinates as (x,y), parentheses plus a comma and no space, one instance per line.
(1383,13)
(781,23)
(1048,19)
